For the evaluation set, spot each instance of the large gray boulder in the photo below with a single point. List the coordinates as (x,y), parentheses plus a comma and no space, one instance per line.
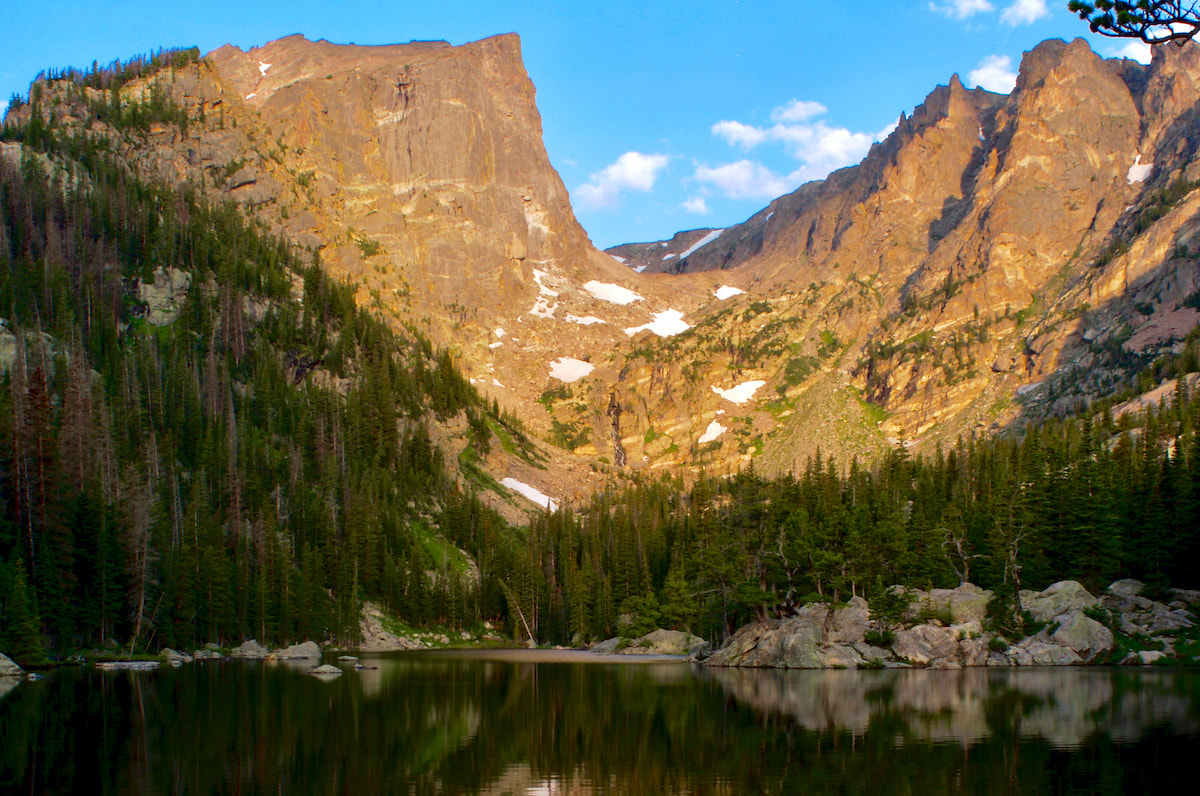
(1037,651)
(967,603)
(250,650)
(8,668)
(927,645)
(1057,599)
(1127,587)
(1086,637)
(176,658)
(306,649)
(792,643)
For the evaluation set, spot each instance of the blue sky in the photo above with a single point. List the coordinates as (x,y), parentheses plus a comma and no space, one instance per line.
(660,116)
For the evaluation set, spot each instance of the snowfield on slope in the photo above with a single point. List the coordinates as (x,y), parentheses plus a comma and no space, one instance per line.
(613,294)
(532,493)
(569,369)
(665,324)
(741,393)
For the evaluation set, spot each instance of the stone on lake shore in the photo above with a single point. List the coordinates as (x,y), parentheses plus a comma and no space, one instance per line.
(9,668)
(306,649)
(250,650)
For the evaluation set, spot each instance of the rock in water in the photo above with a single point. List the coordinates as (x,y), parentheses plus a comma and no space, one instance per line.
(327,670)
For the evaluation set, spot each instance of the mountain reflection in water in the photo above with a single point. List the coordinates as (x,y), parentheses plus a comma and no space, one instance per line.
(1062,705)
(566,723)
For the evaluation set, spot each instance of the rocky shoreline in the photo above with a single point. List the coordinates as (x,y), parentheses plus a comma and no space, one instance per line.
(945,629)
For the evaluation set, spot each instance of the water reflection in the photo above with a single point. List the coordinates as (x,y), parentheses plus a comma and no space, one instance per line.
(566,724)
(1063,705)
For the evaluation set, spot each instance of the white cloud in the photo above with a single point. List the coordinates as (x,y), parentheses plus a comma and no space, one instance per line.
(632,171)
(1025,12)
(994,73)
(797,111)
(737,134)
(746,179)
(961,9)
(820,144)
(1136,50)
(696,204)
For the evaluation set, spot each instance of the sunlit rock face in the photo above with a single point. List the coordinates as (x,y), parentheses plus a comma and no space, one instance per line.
(988,262)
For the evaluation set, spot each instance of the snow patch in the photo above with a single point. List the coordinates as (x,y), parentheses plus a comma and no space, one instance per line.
(496,383)
(251,95)
(707,239)
(663,245)
(542,308)
(498,331)
(496,345)
(741,393)
(728,292)
(569,369)
(665,324)
(711,433)
(262,68)
(532,493)
(621,260)
(669,256)
(1139,171)
(613,294)
(639,269)
(586,320)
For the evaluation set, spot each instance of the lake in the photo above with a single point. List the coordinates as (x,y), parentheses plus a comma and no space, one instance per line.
(569,723)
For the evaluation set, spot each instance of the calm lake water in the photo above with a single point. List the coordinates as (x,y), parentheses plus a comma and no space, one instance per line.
(554,723)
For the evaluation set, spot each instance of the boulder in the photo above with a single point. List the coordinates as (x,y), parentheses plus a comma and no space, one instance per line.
(848,624)
(207,655)
(174,657)
(1188,596)
(1086,637)
(1127,587)
(8,668)
(1147,657)
(1039,652)
(1057,599)
(926,644)
(967,603)
(249,650)
(663,642)
(306,649)
(607,647)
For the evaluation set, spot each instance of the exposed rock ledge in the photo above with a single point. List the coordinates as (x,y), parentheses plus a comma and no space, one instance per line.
(824,636)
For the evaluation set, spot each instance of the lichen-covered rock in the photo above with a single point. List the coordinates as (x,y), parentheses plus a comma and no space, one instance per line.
(1058,598)
(1039,652)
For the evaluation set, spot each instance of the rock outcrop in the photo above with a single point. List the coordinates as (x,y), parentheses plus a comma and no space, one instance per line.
(824,636)
(8,668)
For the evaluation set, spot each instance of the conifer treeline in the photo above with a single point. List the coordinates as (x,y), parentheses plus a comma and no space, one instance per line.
(1088,498)
(256,467)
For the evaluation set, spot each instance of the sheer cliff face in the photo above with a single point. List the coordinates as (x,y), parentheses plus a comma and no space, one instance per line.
(993,243)
(433,152)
